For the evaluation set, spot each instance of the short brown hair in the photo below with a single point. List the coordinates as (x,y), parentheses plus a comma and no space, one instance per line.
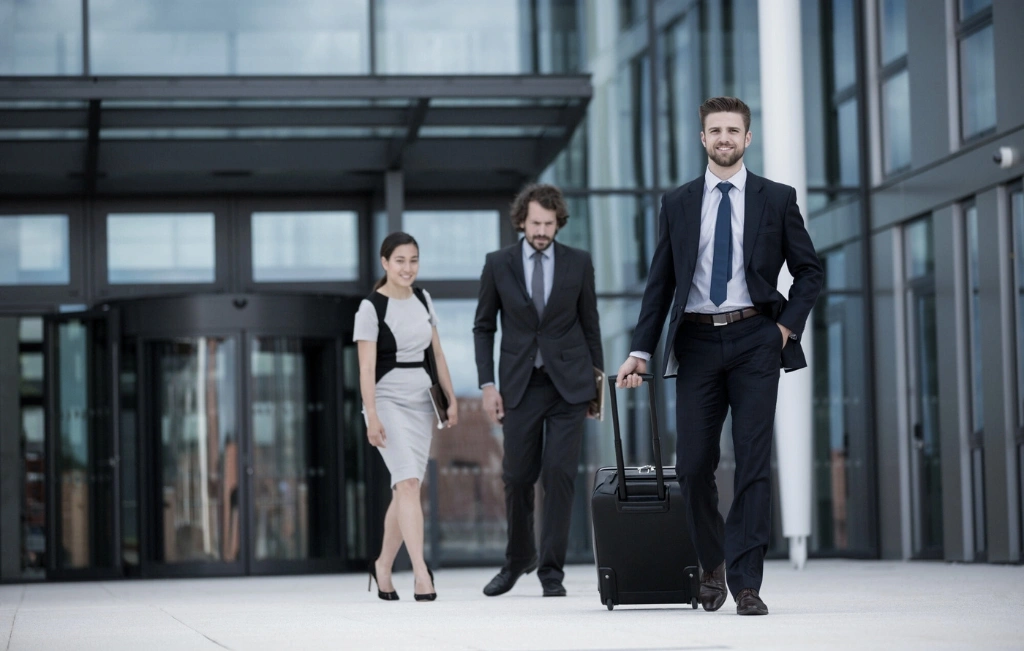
(548,196)
(725,105)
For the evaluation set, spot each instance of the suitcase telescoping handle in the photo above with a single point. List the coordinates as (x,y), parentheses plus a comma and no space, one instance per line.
(648,379)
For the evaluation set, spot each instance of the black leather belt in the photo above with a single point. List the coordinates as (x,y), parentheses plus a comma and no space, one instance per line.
(722,319)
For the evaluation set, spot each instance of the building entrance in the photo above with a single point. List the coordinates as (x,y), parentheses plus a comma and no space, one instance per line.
(206,435)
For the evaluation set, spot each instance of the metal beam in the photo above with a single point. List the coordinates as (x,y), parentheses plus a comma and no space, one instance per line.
(397,147)
(262,88)
(92,147)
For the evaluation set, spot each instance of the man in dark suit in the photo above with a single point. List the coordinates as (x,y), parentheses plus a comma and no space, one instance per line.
(550,344)
(723,239)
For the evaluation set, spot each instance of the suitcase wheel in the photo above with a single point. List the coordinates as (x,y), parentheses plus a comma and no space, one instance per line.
(608,602)
(693,602)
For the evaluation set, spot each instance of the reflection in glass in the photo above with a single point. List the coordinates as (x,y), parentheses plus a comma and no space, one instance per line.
(160,248)
(977,406)
(305,246)
(33,449)
(634,124)
(85,480)
(229,37)
(1017,212)
(34,250)
(76,507)
(920,261)
(678,141)
(452,37)
(290,438)
(848,143)
(470,507)
(974,307)
(559,41)
(354,456)
(129,402)
(42,37)
(926,484)
(977,83)
(844,68)
(198,450)
(896,122)
(453,243)
(840,518)
(1017,215)
(893,23)
(622,233)
(690,76)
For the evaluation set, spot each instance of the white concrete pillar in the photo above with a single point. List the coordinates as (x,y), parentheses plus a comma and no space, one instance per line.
(782,109)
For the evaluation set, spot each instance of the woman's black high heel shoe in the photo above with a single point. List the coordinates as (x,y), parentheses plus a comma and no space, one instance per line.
(430,596)
(386,596)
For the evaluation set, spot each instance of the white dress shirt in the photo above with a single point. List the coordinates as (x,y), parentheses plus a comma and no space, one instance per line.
(737,296)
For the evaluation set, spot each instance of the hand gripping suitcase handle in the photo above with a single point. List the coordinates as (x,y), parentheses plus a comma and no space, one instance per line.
(648,379)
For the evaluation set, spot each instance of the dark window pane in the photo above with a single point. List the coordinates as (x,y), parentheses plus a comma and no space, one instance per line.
(896,122)
(893,24)
(843,51)
(849,146)
(977,83)
(920,259)
(970,7)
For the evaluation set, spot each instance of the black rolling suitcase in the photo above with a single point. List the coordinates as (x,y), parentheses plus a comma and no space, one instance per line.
(641,536)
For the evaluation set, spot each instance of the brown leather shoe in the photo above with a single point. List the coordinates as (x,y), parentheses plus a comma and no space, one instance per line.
(748,603)
(712,588)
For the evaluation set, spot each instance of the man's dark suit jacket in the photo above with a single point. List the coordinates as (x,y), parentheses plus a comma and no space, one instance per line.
(773,234)
(569,335)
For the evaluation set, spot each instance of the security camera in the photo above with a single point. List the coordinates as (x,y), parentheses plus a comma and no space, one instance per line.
(1006,157)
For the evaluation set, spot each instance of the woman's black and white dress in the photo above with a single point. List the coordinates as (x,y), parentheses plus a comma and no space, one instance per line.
(402,395)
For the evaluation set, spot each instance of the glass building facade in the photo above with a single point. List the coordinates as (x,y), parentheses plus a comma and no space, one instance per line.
(181,256)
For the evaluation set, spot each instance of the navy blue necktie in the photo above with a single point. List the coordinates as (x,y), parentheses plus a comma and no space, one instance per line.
(721,267)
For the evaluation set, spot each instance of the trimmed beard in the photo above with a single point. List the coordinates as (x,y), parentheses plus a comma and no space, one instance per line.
(726,160)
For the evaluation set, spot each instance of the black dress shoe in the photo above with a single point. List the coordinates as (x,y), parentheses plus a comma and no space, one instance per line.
(712,588)
(748,603)
(553,588)
(506,578)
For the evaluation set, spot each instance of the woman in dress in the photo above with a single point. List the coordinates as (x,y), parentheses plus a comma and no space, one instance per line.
(393,329)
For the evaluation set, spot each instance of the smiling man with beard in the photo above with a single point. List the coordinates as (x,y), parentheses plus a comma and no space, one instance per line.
(550,343)
(723,239)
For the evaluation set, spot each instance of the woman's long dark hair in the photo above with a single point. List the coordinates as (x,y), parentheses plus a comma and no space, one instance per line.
(388,246)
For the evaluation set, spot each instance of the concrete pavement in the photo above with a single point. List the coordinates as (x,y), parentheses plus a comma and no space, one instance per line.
(833,604)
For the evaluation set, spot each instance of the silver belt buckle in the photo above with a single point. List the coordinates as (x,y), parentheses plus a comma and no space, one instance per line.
(719,319)
(645,470)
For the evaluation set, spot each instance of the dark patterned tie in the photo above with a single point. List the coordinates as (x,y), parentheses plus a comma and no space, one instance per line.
(721,267)
(537,292)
